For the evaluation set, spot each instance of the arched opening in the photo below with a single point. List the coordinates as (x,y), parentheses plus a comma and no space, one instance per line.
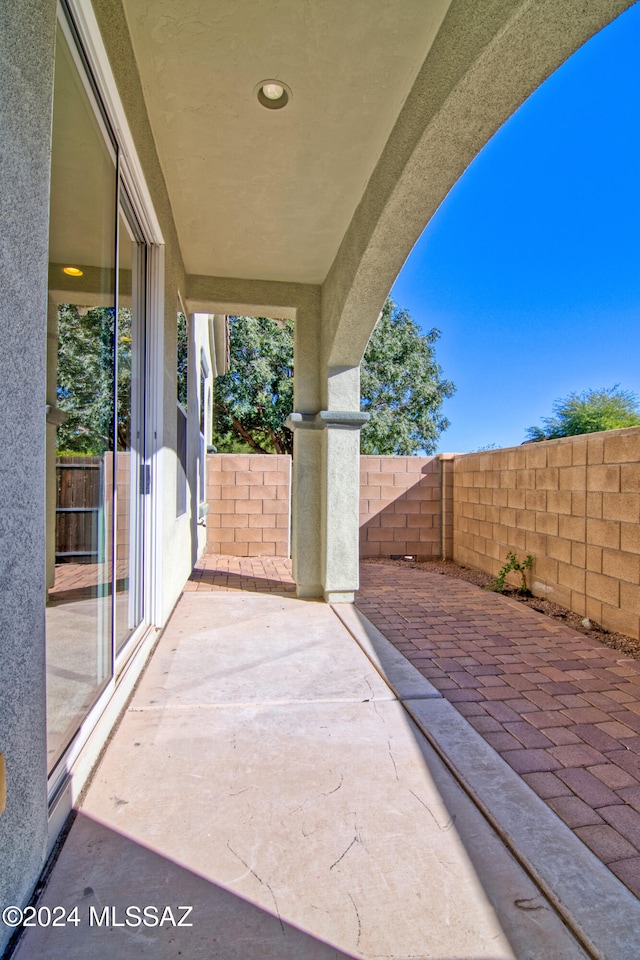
(529,266)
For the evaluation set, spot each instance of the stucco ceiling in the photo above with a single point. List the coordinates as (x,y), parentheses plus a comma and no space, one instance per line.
(268,194)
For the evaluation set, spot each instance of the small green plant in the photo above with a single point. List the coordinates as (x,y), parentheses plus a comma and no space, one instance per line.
(513,565)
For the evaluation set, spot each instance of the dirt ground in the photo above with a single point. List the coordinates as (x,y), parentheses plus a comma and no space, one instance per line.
(617,641)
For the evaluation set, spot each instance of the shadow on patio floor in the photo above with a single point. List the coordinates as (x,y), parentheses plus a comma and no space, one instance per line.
(266,774)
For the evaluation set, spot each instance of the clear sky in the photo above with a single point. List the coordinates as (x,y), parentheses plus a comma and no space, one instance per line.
(531,267)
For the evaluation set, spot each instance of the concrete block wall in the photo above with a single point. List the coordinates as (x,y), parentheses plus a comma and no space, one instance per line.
(249,498)
(446,504)
(574,504)
(400,506)
(249,505)
(123,483)
(123,527)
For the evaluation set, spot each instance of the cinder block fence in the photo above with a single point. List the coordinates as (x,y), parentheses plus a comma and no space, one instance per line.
(249,505)
(573,504)
(400,507)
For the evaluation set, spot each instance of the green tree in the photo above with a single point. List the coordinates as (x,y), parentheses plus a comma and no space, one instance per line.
(401,387)
(589,412)
(85,379)
(255,397)
(182,359)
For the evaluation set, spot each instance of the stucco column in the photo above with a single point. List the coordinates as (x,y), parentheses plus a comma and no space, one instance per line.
(306,515)
(306,479)
(341,498)
(326,485)
(341,423)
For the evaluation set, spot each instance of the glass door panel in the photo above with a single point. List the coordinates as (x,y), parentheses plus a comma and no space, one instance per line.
(80,403)
(130,434)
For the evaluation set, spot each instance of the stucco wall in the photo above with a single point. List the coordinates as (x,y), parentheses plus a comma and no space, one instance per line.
(574,505)
(27,33)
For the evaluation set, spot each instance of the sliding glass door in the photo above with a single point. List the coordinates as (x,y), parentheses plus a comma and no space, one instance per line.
(96,473)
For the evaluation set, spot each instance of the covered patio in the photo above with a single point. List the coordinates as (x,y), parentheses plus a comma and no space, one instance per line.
(559,707)
(309,793)
(164,166)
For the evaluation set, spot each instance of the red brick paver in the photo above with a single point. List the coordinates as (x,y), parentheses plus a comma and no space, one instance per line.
(560,708)
(259,574)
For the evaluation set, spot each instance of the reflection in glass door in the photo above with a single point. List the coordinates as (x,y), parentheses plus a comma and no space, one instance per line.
(131,472)
(80,397)
(95,456)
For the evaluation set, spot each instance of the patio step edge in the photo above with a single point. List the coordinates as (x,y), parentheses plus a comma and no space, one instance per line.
(599,909)
(404,679)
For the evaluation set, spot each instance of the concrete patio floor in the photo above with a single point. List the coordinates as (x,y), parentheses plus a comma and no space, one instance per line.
(284,770)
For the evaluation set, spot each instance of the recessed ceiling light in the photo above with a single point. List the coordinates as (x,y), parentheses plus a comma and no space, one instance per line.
(72,271)
(273,94)
(272,91)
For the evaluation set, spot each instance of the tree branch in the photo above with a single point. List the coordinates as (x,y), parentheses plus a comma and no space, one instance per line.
(241,431)
(246,436)
(275,440)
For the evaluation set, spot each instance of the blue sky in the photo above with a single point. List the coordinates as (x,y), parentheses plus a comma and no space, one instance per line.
(531,267)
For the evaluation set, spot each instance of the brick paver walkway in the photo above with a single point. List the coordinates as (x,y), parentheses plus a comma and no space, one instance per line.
(261,574)
(560,708)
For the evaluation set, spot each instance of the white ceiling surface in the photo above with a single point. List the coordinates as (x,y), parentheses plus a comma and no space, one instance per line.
(268,194)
